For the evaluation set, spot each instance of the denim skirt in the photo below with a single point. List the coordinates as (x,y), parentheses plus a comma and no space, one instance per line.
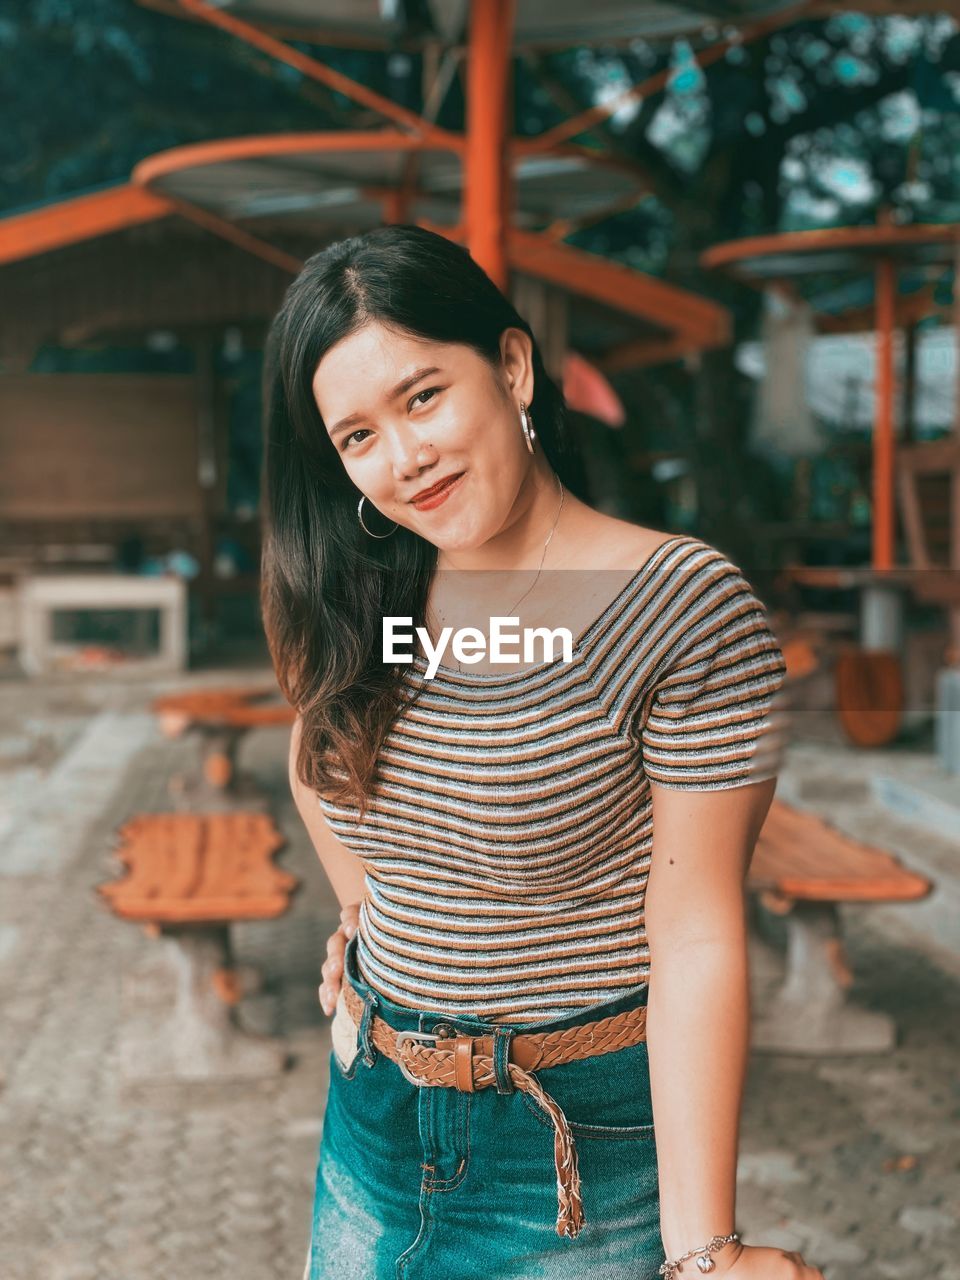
(417,1182)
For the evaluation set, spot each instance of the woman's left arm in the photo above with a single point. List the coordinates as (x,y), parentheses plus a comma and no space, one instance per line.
(698,1012)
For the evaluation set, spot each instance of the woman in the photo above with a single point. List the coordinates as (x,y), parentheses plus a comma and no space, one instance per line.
(541,1025)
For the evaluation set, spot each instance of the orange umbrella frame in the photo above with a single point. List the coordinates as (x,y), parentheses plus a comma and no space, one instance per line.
(688,323)
(880,245)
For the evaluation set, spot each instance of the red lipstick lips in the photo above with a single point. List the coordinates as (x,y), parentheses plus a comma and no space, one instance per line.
(427,499)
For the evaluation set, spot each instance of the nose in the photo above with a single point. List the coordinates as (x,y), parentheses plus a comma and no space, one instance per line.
(411,455)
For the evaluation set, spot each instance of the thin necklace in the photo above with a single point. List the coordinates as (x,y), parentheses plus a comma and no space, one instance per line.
(543,557)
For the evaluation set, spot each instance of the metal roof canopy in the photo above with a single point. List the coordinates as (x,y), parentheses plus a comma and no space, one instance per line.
(347,176)
(538,24)
(789,255)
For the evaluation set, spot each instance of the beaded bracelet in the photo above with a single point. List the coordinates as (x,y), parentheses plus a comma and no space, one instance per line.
(705,1263)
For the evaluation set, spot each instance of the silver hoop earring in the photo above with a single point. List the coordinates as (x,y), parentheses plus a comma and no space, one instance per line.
(367,531)
(526,426)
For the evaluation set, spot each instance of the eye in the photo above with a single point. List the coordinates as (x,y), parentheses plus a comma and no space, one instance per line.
(428,391)
(345,443)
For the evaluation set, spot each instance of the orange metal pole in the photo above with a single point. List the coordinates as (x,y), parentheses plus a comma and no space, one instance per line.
(883,442)
(488,78)
(257,146)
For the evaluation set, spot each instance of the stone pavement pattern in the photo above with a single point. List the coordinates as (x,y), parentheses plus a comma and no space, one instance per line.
(854,1161)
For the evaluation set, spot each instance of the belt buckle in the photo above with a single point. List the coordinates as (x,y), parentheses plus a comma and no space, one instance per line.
(402,1037)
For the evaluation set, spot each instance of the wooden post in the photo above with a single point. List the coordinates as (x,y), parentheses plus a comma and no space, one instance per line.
(954,549)
(545,308)
(207,469)
(909,428)
(395,207)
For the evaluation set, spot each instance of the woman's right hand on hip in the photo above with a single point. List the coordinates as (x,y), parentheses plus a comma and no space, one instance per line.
(332,967)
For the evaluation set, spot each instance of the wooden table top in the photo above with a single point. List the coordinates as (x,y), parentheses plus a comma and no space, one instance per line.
(188,867)
(800,856)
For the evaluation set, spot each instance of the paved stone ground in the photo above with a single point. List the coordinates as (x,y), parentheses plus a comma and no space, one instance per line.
(854,1161)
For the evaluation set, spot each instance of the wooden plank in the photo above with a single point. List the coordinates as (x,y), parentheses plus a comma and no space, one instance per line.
(183,867)
(800,856)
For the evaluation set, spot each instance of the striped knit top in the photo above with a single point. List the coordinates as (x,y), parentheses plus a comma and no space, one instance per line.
(508,838)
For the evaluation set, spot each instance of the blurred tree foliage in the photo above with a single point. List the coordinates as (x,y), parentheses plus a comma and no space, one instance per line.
(818,125)
(96,85)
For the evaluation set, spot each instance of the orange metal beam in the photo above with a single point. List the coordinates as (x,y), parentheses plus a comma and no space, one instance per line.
(23,235)
(224,150)
(883,442)
(313,68)
(657,83)
(237,236)
(560,228)
(697,321)
(910,310)
(264,146)
(486,200)
(522,147)
(879,237)
(688,322)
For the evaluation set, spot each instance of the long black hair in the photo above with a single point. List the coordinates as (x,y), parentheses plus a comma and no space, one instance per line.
(326,585)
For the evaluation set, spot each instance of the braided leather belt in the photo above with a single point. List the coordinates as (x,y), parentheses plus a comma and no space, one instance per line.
(466,1063)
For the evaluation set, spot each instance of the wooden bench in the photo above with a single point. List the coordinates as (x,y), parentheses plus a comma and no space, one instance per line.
(222,717)
(802,869)
(188,877)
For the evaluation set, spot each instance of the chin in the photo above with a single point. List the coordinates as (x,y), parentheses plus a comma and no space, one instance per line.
(458,541)
(455,544)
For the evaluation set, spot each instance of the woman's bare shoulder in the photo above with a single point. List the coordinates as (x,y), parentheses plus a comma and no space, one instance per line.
(618,544)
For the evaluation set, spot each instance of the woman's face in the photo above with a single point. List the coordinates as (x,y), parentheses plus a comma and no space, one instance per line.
(404,414)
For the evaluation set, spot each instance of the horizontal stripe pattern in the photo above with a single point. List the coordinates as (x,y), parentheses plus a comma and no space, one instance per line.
(508,838)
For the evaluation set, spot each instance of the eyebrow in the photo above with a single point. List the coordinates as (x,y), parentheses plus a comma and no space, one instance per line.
(408,382)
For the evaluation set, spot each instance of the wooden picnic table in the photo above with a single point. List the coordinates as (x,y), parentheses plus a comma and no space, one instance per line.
(188,877)
(802,869)
(868,675)
(222,716)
